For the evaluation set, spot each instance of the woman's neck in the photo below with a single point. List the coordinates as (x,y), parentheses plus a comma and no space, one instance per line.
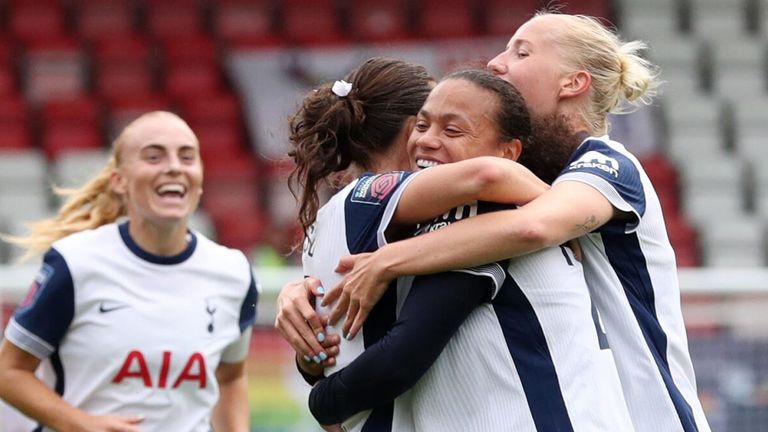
(161,240)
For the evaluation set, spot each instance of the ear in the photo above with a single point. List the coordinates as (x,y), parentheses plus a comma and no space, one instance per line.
(575,84)
(512,149)
(117,183)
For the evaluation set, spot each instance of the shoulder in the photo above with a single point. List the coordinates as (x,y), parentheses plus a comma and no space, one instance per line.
(377,188)
(85,240)
(602,154)
(217,256)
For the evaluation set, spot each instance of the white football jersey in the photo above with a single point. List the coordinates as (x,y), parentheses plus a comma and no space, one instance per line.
(534,358)
(631,272)
(353,221)
(531,359)
(124,332)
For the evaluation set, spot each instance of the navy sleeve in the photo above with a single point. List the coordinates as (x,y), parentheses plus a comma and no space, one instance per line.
(248,308)
(367,206)
(612,173)
(43,318)
(435,308)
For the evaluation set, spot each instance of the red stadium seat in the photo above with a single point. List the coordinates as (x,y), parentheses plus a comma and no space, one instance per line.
(222,108)
(595,8)
(664,177)
(124,68)
(127,108)
(245,22)
(82,110)
(240,230)
(71,124)
(36,20)
(311,21)
(173,18)
(684,240)
(15,136)
(98,19)
(192,78)
(191,48)
(373,20)
(14,123)
(8,68)
(218,141)
(54,69)
(504,17)
(62,137)
(447,18)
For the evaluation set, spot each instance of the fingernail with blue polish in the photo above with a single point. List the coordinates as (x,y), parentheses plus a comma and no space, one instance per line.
(317,359)
(323,356)
(320,290)
(307,358)
(321,337)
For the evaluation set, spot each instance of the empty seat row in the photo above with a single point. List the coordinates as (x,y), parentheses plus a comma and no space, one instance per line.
(269,21)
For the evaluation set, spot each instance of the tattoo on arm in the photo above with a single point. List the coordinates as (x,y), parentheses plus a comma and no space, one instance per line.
(588,225)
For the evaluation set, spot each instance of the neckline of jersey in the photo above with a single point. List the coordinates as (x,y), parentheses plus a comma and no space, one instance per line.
(157,259)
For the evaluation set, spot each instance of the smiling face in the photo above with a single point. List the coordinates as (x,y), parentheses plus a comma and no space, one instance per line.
(533,64)
(457,122)
(159,173)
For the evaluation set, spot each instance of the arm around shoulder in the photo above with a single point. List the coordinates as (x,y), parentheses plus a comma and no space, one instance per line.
(487,178)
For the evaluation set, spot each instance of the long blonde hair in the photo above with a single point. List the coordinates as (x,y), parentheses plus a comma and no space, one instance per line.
(622,80)
(90,206)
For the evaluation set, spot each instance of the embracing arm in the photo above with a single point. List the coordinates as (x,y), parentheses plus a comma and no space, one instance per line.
(441,188)
(435,308)
(566,211)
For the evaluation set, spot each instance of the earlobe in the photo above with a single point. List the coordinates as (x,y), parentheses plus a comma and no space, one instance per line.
(575,84)
(513,149)
(116,183)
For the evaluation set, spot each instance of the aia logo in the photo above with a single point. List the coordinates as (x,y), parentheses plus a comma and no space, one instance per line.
(135,367)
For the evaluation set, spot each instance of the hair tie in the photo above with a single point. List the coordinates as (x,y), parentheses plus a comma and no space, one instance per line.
(341,88)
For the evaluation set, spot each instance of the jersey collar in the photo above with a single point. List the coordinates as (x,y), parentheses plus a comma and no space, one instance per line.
(157,259)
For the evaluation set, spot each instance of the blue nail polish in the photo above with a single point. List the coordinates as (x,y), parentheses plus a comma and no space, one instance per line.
(317,359)
(349,336)
(321,290)
(323,356)
(321,337)
(307,358)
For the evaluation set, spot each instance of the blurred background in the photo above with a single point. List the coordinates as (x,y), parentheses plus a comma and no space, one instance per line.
(73,72)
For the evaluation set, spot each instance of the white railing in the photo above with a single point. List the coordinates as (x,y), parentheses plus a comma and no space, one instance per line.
(730,285)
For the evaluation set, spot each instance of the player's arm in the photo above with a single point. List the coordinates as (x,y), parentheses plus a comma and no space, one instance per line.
(22,389)
(231,412)
(566,211)
(441,188)
(435,308)
(35,330)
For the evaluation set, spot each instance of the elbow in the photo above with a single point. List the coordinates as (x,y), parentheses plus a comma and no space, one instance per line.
(486,172)
(533,236)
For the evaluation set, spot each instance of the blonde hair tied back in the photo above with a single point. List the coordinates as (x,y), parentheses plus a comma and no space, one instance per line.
(622,80)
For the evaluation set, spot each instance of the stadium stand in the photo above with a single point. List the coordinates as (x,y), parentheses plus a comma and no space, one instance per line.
(100,63)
